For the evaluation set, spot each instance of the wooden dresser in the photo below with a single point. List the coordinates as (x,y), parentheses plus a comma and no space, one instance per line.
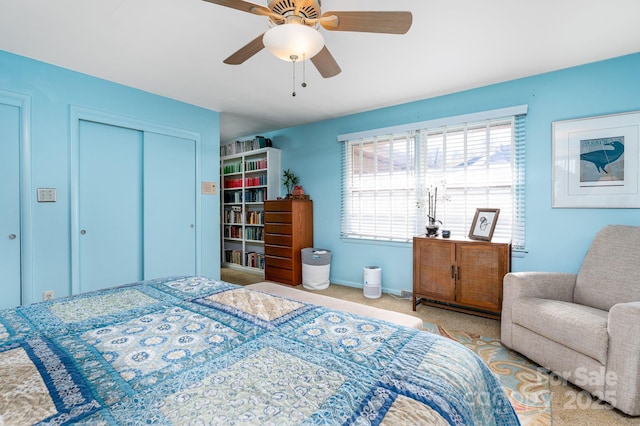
(460,274)
(288,228)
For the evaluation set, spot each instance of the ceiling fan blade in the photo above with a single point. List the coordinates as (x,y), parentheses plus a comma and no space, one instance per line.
(369,22)
(247,51)
(326,64)
(246,6)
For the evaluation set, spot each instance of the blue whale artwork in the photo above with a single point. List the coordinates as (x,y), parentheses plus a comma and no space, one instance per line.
(602,161)
(601,158)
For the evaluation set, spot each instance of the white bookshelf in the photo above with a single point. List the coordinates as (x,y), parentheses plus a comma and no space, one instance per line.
(247,179)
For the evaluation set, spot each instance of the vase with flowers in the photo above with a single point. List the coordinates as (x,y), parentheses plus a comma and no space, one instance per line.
(433,225)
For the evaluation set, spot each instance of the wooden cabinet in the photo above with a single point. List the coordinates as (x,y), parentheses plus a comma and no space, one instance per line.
(288,229)
(462,275)
(248,179)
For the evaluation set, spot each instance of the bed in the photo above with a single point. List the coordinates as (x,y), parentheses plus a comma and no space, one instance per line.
(191,350)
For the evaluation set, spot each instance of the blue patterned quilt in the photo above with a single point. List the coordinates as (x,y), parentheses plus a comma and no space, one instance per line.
(192,350)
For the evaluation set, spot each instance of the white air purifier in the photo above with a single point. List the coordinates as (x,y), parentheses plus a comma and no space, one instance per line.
(372,282)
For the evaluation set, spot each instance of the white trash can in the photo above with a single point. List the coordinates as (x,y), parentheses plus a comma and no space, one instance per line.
(316,268)
(372,282)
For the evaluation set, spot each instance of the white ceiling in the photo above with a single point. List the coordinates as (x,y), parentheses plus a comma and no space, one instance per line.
(175,48)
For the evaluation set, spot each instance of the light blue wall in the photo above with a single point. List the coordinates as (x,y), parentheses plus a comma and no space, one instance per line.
(53,91)
(557,239)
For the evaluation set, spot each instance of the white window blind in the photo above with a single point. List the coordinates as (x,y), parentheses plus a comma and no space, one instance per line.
(474,164)
(379,188)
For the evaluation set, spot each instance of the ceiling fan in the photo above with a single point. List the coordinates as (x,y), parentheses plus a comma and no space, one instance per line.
(304,16)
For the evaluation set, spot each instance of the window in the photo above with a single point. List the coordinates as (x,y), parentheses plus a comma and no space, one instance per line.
(474,161)
(380,188)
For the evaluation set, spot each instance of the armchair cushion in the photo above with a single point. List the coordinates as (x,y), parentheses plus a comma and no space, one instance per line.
(609,273)
(543,285)
(581,328)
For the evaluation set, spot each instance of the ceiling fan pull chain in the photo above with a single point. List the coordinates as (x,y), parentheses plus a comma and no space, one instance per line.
(293,64)
(304,72)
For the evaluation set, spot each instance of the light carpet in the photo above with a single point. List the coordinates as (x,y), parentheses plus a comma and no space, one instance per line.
(526,384)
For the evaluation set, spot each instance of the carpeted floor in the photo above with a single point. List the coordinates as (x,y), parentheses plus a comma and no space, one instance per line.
(526,386)
(569,405)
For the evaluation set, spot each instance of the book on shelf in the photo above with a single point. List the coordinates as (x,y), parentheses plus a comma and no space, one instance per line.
(253,165)
(234,197)
(248,181)
(255,181)
(255,217)
(233,231)
(233,215)
(254,260)
(233,183)
(254,233)
(243,146)
(251,259)
(249,166)
(235,167)
(255,195)
(233,256)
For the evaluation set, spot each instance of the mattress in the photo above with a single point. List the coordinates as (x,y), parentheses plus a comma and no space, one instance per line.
(341,305)
(191,350)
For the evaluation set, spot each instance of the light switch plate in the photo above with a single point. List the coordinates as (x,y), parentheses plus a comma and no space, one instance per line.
(46,195)
(209,188)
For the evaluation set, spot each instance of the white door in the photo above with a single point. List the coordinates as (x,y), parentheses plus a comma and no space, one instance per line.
(10,284)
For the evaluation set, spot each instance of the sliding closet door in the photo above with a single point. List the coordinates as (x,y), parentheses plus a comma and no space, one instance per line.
(10,234)
(110,212)
(169,206)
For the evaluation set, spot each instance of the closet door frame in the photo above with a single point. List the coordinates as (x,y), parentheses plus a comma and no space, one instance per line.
(78,114)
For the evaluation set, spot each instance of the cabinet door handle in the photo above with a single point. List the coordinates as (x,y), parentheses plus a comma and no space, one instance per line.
(458,272)
(453,272)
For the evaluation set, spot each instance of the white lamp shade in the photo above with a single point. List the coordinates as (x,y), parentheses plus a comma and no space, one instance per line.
(286,40)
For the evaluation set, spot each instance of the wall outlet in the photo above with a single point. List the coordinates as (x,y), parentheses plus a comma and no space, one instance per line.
(47,295)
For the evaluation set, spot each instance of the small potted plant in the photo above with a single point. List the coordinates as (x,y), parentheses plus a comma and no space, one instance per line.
(289,180)
(431,204)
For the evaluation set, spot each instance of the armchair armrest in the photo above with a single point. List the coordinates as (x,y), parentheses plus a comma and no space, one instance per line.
(623,360)
(543,285)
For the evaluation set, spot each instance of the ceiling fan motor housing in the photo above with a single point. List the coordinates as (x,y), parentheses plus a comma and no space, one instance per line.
(310,9)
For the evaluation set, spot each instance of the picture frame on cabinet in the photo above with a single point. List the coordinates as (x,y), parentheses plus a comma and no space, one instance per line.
(596,162)
(484,223)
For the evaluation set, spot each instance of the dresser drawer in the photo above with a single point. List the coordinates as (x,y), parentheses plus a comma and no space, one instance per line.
(278,239)
(277,228)
(278,206)
(284,276)
(278,262)
(279,251)
(277,217)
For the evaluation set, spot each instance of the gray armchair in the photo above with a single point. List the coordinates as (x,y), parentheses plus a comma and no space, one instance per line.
(584,327)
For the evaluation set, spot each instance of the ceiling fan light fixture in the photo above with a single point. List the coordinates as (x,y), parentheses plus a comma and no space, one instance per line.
(293,40)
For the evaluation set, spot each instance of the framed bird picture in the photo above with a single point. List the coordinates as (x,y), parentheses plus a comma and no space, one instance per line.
(596,162)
